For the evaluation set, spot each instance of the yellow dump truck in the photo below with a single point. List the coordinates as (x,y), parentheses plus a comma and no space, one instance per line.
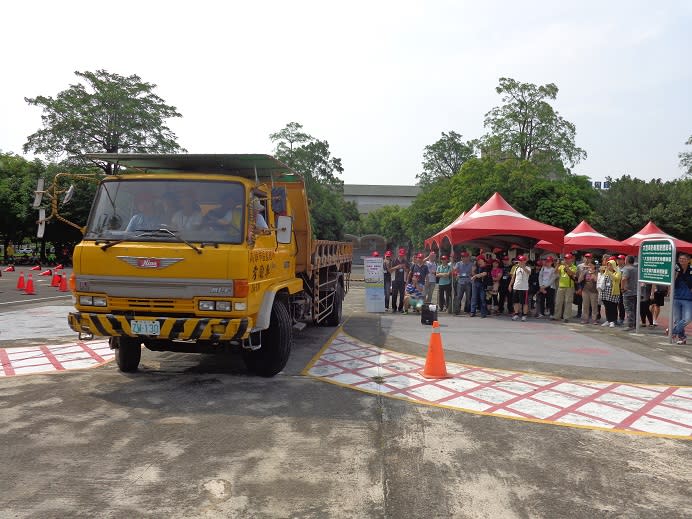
(202,253)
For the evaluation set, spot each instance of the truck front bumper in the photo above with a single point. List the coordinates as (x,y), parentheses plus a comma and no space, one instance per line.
(185,328)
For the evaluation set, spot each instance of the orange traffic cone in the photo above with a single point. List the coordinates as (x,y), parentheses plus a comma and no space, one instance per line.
(55,282)
(63,283)
(20,281)
(37,267)
(29,290)
(9,269)
(46,273)
(59,266)
(435,366)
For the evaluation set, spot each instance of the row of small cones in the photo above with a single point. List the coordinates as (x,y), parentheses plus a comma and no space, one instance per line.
(58,281)
(37,267)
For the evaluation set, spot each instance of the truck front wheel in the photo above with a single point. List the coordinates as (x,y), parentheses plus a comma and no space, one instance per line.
(272,356)
(128,353)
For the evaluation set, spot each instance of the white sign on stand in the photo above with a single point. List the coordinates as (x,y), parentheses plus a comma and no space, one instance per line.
(374,284)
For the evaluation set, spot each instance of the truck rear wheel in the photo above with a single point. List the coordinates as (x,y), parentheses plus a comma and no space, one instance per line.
(334,318)
(272,356)
(128,353)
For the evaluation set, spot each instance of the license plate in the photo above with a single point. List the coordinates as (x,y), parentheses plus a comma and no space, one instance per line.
(145,327)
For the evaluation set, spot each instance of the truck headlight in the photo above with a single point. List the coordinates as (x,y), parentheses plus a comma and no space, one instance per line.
(86,300)
(223,306)
(100,301)
(207,306)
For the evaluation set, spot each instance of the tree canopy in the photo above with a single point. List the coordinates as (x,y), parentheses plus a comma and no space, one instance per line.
(527,127)
(312,157)
(443,158)
(103,113)
(686,158)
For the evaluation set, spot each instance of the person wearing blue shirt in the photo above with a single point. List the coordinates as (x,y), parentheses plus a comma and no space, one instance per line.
(682,298)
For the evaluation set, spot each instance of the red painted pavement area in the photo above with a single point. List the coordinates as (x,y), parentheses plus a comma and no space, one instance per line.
(614,406)
(54,358)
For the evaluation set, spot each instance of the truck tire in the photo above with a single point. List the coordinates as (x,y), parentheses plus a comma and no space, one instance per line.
(272,356)
(334,318)
(128,353)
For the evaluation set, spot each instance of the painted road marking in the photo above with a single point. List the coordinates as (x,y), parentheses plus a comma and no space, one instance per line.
(612,406)
(46,359)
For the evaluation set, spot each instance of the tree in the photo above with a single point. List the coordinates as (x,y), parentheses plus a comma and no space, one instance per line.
(526,126)
(313,159)
(18,178)
(443,158)
(686,159)
(111,113)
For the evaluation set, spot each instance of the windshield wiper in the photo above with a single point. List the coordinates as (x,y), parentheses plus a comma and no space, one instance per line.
(163,230)
(151,232)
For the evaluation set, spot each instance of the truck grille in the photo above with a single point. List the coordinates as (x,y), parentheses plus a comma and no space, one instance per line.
(150,305)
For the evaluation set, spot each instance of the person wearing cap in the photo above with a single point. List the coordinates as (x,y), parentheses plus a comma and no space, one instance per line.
(419,268)
(545,298)
(480,279)
(444,283)
(400,269)
(611,292)
(588,276)
(430,279)
(495,276)
(386,265)
(519,287)
(505,296)
(145,217)
(620,259)
(463,270)
(189,216)
(566,274)
(413,298)
(629,286)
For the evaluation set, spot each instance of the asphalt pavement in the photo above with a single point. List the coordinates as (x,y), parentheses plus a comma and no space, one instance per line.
(197,436)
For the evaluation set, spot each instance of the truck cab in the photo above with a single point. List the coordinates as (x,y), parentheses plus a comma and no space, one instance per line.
(198,253)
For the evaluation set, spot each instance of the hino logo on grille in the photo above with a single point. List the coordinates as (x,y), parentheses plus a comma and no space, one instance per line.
(149,263)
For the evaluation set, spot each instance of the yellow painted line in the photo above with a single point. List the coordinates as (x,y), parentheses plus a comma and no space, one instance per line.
(316,357)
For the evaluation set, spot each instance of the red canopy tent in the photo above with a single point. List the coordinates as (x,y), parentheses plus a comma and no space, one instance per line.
(584,237)
(440,236)
(496,222)
(649,231)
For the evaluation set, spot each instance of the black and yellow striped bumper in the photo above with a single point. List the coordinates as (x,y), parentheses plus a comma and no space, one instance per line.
(192,328)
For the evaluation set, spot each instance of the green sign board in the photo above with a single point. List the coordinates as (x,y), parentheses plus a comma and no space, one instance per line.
(656,260)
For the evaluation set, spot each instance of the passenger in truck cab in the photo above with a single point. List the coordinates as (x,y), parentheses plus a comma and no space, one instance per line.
(258,208)
(189,216)
(145,217)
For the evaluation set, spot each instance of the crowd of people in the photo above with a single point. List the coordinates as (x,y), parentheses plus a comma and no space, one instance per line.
(603,293)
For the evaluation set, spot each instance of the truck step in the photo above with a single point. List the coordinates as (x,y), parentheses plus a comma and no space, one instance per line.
(299,326)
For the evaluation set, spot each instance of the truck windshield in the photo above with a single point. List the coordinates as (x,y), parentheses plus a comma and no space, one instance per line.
(196,211)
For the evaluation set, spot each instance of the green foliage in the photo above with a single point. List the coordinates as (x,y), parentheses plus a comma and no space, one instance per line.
(312,158)
(526,127)
(686,159)
(443,158)
(630,203)
(389,221)
(111,113)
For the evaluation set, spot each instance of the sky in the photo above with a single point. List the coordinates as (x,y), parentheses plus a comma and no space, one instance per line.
(378,80)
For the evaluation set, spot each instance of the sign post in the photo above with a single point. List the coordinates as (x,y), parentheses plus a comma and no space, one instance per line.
(374,284)
(656,266)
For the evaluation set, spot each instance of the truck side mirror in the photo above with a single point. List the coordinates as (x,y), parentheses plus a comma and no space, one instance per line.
(284,229)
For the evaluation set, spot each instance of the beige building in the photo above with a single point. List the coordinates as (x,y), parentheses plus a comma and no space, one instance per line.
(369,197)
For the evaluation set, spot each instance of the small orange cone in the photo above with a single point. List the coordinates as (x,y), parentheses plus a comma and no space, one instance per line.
(29,290)
(9,269)
(55,282)
(63,283)
(46,273)
(20,281)
(435,366)
(58,266)
(37,267)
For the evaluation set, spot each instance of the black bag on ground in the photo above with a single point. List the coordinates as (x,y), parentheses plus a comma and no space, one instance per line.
(428,313)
